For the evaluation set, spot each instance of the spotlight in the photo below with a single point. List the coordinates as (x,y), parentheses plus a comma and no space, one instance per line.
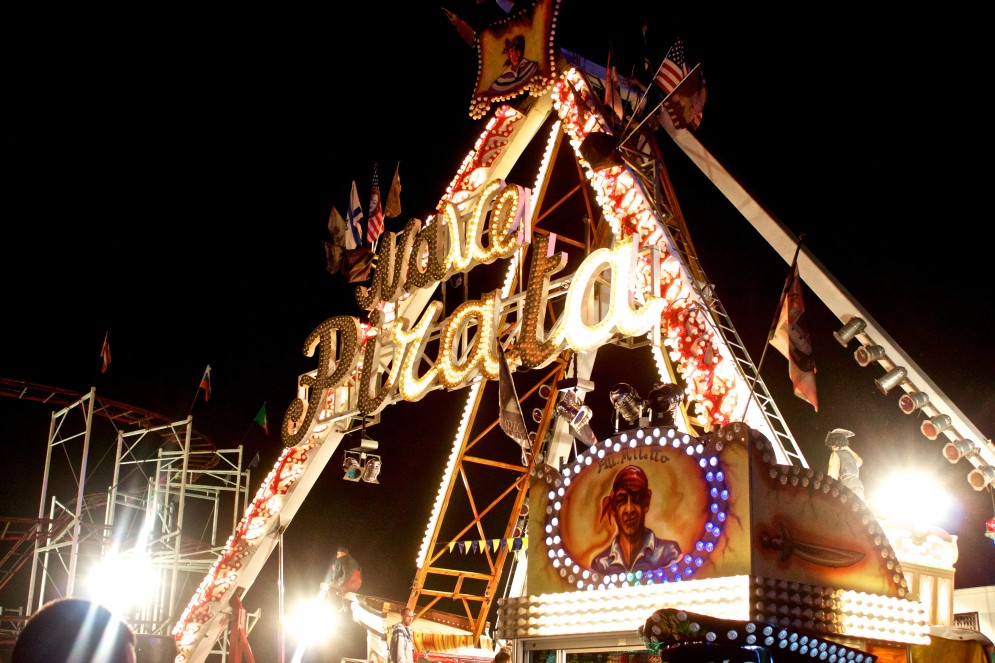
(889,380)
(912,401)
(980,477)
(353,470)
(626,401)
(932,428)
(573,410)
(371,469)
(358,464)
(852,327)
(954,451)
(865,354)
(663,401)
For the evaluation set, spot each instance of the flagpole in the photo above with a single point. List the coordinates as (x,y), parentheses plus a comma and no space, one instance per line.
(207,373)
(657,108)
(647,91)
(773,324)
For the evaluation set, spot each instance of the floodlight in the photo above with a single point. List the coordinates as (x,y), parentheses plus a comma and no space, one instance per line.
(954,451)
(981,477)
(932,428)
(663,402)
(853,327)
(626,401)
(578,415)
(889,380)
(353,470)
(912,401)
(865,354)
(371,469)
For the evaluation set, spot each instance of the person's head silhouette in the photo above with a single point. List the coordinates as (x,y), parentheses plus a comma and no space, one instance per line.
(72,629)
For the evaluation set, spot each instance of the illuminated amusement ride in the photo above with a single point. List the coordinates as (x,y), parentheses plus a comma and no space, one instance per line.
(564,220)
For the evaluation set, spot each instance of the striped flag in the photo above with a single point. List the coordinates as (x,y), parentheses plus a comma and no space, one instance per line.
(374,222)
(105,354)
(354,221)
(673,69)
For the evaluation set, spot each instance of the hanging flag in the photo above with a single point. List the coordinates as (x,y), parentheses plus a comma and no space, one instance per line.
(205,383)
(357,264)
(393,208)
(791,338)
(684,105)
(613,94)
(511,419)
(335,248)
(261,419)
(673,69)
(374,219)
(105,354)
(466,32)
(354,218)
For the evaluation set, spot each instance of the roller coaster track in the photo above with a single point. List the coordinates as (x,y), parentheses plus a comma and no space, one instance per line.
(117,412)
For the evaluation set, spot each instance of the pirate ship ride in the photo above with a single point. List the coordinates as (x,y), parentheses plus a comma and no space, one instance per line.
(570,231)
(591,253)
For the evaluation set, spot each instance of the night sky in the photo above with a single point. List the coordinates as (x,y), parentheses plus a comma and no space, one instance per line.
(169,180)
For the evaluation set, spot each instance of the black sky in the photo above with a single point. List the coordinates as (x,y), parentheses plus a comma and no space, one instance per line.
(169,179)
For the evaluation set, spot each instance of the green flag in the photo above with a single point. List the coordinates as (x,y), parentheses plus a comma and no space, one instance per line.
(261,419)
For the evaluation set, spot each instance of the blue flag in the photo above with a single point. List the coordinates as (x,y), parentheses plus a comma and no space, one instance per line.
(354,221)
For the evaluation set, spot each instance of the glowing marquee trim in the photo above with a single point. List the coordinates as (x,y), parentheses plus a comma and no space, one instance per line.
(611,610)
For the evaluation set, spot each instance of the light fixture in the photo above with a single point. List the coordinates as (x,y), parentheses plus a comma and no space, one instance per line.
(889,380)
(865,354)
(353,470)
(663,402)
(980,477)
(361,465)
(627,402)
(932,428)
(578,415)
(371,469)
(852,327)
(954,451)
(912,401)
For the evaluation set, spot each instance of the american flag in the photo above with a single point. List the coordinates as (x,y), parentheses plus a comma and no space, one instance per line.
(374,223)
(673,69)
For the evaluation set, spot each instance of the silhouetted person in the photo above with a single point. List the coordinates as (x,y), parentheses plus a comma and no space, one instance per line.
(844,463)
(344,576)
(74,631)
